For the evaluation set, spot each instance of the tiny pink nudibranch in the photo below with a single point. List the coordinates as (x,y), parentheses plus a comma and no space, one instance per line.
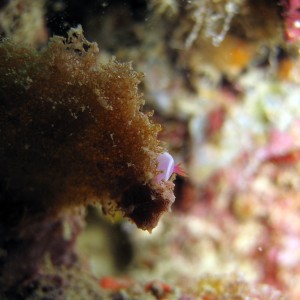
(166,167)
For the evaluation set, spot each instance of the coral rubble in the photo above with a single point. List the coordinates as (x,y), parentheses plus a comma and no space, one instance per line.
(23,21)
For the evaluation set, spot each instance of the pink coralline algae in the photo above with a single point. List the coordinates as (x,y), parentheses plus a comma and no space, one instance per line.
(291,15)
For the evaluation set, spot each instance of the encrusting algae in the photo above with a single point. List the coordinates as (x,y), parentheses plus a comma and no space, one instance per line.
(72,134)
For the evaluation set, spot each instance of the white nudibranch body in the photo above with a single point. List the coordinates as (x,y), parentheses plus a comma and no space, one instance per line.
(165,167)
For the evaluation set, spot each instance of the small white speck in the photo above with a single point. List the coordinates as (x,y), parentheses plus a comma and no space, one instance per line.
(297,24)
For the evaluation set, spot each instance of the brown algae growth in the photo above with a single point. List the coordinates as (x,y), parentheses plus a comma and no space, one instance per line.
(73,133)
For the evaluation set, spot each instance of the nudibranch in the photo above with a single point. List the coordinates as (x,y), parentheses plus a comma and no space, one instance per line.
(166,167)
